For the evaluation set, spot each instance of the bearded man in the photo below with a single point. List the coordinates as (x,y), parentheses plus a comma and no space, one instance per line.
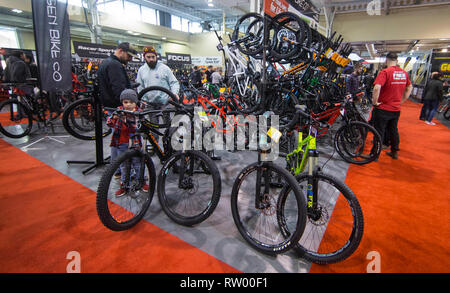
(155,73)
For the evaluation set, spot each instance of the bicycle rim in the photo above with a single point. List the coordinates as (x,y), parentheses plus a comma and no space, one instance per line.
(122,210)
(335,227)
(189,187)
(358,143)
(79,120)
(262,226)
(15,119)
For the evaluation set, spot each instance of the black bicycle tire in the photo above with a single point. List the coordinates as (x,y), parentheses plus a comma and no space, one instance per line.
(215,197)
(355,237)
(303,28)
(234,36)
(447,113)
(28,113)
(103,187)
(301,205)
(378,144)
(66,120)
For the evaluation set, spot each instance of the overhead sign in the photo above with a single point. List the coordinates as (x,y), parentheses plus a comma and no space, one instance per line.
(440,62)
(207,60)
(177,58)
(88,50)
(52,37)
(302,7)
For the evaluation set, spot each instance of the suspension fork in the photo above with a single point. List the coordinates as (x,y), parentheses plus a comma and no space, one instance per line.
(261,172)
(312,186)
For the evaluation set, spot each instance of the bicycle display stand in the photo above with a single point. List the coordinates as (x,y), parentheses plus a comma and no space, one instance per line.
(99,160)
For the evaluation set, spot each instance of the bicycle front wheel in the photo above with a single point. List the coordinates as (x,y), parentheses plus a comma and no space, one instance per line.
(257,215)
(335,223)
(15,119)
(189,187)
(125,190)
(447,113)
(79,120)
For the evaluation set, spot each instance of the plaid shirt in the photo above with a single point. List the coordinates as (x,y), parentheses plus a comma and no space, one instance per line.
(124,128)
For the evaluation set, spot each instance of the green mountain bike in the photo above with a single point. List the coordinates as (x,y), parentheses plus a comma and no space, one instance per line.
(335,221)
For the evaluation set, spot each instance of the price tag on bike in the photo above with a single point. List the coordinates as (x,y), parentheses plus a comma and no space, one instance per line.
(274,134)
(202,116)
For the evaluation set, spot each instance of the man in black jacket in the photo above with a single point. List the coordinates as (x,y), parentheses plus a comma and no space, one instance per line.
(433,96)
(16,70)
(112,77)
(353,84)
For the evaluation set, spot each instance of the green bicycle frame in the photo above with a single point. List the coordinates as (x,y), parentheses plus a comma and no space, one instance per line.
(305,153)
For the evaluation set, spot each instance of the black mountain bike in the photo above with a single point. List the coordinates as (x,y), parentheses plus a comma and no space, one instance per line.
(18,113)
(188,185)
(255,198)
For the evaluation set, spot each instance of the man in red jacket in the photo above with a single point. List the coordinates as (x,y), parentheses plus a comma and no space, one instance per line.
(392,87)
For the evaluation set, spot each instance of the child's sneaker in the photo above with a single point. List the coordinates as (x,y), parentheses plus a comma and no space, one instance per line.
(121,192)
(145,188)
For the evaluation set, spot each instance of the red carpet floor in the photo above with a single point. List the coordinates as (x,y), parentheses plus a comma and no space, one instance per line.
(45,215)
(406,203)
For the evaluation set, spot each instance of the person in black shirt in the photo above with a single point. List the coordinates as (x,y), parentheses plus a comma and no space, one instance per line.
(196,77)
(112,77)
(29,60)
(16,70)
(433,96)
(353,83)
(208,73)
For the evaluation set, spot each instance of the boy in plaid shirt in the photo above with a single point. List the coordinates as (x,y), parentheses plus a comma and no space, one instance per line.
(124,128)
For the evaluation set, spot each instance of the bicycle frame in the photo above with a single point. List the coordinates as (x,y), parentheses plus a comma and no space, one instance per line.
(307,150)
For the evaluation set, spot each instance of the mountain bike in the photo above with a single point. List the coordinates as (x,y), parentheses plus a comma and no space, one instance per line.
(255,209)
(188,184)
(335,222)
(18,113)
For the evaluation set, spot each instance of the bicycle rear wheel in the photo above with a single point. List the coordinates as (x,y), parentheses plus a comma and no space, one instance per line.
(189,187)
(121,203)
(334,227)
(358,143)
(259,221)
(15,119)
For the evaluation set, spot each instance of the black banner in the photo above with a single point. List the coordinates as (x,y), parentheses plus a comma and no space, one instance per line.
(52,37)
(89,50)
(440,62)
(176,58)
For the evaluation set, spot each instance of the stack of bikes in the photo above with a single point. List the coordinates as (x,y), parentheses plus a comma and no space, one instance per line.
(273,67)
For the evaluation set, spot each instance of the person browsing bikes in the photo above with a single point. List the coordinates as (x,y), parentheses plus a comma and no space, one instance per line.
(392,88)
(112,77)
(155,73)
(124,130)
